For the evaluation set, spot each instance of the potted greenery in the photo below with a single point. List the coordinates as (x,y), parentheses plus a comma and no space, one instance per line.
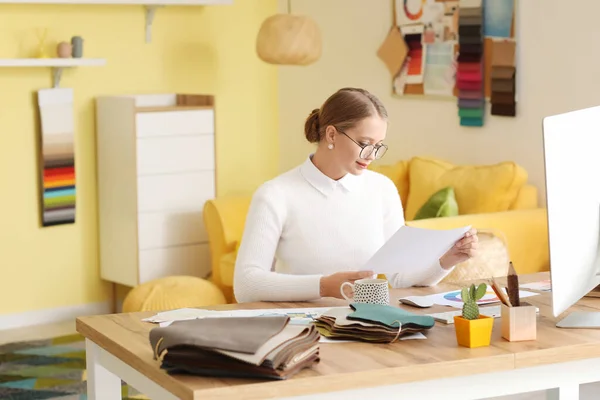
(472,328)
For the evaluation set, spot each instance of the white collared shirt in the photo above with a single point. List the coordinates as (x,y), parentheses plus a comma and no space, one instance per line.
(303,225)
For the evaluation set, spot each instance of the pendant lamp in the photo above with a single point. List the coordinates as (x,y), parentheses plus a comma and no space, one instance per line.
(286,39)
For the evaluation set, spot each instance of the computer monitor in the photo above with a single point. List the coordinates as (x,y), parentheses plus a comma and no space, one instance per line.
(571,143)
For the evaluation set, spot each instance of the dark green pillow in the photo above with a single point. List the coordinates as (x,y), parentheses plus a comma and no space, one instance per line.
(441,204)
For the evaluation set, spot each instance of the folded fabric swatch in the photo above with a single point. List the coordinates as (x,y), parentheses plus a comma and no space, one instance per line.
(249,347)
(468,57)
(470,94)
(503,85)
(503,72)
(181,361)
(219,333)
(471,112)
(503,98)
(507,110)
(475,48)
(472,76)
(470,103)
(470,40)
(503,54)
(471,11)
(475,20)
(469,85)
(470,67)
(466,121)
(470,30)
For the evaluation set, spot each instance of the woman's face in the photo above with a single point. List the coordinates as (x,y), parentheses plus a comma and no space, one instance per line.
(348,144)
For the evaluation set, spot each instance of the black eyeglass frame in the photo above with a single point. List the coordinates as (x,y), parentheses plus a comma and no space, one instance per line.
(363,147)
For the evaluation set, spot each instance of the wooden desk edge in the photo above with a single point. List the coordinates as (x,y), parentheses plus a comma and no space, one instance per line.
(160,378)
(360,380)
(539,357)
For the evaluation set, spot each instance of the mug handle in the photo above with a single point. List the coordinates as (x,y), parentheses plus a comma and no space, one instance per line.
(342,290)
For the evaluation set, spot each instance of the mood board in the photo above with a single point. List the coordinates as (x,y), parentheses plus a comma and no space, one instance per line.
(461,50)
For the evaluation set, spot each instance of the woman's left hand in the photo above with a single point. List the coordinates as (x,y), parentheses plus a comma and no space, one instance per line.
(462,250)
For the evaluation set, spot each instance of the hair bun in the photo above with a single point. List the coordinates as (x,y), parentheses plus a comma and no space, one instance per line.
(311,126)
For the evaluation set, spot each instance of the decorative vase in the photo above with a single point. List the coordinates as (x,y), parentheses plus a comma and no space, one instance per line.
(41,50)
(64,50)
(77,43)
(473,332)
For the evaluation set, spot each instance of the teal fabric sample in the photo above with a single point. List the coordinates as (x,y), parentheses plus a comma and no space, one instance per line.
(464,121)
(389,316)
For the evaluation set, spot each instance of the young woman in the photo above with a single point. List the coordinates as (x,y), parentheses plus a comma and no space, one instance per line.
(312,228)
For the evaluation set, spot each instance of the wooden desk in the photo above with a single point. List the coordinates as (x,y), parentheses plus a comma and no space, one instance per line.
(118,348)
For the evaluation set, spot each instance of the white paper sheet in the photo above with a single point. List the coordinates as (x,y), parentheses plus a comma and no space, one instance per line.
(297,315)
(411,248)
(453,298)
(543,286)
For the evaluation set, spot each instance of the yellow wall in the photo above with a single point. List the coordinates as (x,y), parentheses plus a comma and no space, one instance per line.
(194,49)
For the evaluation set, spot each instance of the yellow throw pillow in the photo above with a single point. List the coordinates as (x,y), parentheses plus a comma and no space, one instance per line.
(398,173)
(478,188)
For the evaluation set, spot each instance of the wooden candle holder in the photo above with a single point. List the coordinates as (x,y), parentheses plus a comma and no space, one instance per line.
(519,323)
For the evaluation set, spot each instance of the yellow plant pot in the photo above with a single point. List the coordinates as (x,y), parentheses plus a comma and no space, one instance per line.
(473,333)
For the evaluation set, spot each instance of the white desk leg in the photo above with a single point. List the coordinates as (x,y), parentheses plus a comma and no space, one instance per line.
(567,392)
(101,383)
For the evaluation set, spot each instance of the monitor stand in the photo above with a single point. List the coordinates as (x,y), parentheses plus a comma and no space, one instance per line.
(595,292)
(585,319)
(581,320)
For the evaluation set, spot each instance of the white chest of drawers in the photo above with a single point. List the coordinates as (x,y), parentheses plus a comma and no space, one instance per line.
(156,169)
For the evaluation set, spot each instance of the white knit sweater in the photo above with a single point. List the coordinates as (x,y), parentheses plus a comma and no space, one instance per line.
(303,225)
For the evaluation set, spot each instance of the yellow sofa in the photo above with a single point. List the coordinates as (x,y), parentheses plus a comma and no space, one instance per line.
(490,197)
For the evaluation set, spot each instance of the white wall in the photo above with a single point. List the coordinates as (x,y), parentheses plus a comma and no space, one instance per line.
(558,70)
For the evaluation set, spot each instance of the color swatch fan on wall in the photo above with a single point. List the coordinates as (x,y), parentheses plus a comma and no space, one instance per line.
(503,79)
(57,156)
(469,77)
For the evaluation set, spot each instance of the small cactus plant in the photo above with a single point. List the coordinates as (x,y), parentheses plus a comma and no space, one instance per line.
(469,296)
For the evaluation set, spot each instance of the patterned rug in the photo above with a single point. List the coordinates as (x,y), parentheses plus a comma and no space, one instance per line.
(47,369)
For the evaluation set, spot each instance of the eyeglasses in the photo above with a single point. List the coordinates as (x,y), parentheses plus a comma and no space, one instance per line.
(368,149)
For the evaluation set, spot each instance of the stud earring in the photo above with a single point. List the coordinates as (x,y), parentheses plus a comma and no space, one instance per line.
(330,146)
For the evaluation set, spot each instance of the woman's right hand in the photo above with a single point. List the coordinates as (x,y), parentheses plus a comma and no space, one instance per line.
(330,285)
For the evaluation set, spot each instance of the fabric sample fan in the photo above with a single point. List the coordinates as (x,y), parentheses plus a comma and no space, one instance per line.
(371,323)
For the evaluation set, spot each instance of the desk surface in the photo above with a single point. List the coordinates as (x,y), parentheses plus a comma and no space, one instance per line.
(355,365)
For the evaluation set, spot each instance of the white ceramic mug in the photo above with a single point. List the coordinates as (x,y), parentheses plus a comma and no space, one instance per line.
(374,291)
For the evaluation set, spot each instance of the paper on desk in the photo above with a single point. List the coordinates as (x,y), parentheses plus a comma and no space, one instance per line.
(408,336)
(453,298)
(411,248)
(297,315)
(542,286)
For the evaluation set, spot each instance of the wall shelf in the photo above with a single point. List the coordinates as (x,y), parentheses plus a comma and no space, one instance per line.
(52,62)
(149,5)
(57,64)
(125,2)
